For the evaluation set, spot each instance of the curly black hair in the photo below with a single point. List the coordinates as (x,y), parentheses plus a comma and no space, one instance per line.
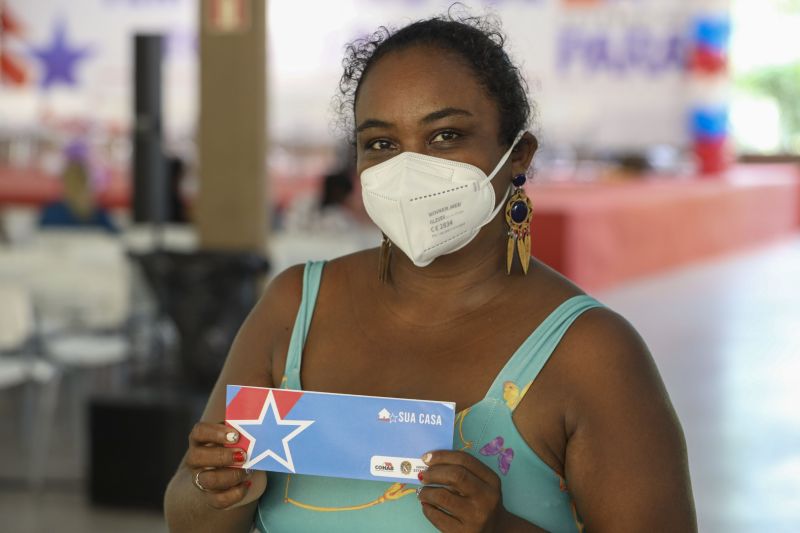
(478,40)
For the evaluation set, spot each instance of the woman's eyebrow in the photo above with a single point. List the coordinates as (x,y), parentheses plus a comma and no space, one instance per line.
(427,119)
(442,113)
(373,123)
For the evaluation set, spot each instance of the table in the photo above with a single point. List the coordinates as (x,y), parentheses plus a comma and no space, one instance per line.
(601,234)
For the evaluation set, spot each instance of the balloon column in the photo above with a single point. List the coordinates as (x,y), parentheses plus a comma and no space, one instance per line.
(708,79)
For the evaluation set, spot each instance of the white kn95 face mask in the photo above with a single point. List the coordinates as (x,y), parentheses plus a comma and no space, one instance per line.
(429,206)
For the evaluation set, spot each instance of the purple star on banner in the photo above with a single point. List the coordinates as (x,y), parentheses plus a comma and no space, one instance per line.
(59,58)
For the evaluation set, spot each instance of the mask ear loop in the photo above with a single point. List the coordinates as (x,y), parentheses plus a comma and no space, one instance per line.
(491,176)
(505,157)
(500,204)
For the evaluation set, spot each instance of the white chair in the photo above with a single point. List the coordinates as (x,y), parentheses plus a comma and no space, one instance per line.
(83,299)
(144,238)
(18,367)
(75,278)
(80,284)
(18,224)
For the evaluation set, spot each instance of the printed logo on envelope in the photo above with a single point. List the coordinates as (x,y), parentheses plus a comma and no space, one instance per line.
(406,468)
(409,417)
(339,435)
(269,434)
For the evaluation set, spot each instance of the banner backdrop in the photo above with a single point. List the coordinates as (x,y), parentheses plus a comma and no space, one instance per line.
(603,73)
(76,59)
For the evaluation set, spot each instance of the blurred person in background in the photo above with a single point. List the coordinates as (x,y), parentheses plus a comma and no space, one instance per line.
(563,420)
(328,210)
(336,189)
(176,174)
(78,208)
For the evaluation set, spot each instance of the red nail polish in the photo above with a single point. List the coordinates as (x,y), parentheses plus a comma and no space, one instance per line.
(419,476)
(248,483)
(238,457)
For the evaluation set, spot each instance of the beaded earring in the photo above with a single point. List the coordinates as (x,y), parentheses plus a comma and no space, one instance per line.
(518,217)
(384,259)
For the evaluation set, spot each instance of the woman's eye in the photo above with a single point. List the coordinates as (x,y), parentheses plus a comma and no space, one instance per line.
(445,136)
(380,144)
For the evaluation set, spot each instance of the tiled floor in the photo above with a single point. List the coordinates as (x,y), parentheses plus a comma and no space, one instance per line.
(726,336)
(64,510)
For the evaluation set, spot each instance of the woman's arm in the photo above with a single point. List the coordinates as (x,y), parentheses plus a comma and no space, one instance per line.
(626,463)
(249,362)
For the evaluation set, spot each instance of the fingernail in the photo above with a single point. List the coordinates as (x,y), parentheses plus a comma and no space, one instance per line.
(419,476)
(248,483)
(426,458)
(231,436)
(238,456)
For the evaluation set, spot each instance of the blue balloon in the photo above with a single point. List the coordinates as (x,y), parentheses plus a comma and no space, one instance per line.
(712,32)
(710,122)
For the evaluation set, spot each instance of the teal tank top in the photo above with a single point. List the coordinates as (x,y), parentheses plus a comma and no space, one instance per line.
(531,489)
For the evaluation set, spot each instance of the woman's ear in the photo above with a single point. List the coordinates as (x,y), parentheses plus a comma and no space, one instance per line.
(522,155)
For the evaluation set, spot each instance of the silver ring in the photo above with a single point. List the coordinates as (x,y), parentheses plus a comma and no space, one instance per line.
(197,481)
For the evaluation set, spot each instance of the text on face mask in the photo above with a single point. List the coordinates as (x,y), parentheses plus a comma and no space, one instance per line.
(444,209)
(443,219)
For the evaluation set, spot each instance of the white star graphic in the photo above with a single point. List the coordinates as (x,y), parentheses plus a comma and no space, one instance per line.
(287,461)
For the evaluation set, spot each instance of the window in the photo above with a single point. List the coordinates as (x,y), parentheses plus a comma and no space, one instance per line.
(765,65)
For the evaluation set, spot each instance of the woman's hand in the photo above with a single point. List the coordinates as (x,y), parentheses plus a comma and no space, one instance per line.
(472,501)
(211,465)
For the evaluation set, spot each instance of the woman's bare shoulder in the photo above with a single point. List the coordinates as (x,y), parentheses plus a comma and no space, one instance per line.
(360,261)
(250,359)
(622,429)
(265,334)
(547,287)
(604,341)
(601,356)
(281,298)
(348,277)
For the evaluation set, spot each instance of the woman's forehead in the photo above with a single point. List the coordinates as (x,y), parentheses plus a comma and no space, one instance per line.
(413,82)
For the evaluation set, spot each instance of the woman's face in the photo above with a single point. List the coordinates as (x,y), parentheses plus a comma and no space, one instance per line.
(426,100)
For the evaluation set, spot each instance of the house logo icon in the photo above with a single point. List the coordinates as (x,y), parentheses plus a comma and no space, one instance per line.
(385,416)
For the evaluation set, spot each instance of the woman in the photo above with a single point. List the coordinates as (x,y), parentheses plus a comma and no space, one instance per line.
(588,438)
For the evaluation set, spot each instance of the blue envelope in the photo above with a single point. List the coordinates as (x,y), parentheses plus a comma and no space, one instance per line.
(339,435)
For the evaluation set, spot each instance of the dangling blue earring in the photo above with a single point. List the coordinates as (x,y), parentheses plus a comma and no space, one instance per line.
(518,217)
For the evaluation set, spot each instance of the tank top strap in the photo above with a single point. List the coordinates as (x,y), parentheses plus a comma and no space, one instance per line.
(516,377)
(312,276)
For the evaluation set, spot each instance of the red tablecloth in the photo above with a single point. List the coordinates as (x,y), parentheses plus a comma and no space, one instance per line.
(599,234)
(35,188)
